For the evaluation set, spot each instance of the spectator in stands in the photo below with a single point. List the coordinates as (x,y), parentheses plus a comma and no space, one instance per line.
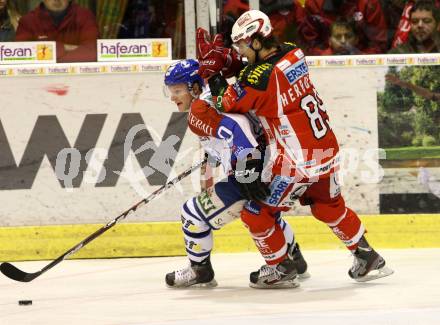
(8,21)
(286,16)
(424,36)
(397,16)
(142,19)
(400,32)
(234,8)
(343,39)
(72,27)
(367,14)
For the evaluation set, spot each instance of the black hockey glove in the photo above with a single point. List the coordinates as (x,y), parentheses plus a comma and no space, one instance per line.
(217,85)
(248,176)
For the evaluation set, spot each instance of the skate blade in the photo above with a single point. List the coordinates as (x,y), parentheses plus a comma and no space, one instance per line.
(290,284)
(304,276)
(211,284)
(376,274)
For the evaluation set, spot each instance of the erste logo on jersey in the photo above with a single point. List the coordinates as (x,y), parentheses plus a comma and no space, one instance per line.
(296,71)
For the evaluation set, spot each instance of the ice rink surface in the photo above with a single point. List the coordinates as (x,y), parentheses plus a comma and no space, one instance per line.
(132,291)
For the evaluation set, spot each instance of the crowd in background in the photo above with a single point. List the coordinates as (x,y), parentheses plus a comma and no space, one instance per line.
(320,27)
(76,25)
(328,27)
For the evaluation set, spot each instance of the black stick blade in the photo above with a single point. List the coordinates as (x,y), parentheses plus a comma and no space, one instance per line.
(16,274)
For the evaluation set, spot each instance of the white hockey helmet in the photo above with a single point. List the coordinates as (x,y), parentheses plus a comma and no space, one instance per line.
(250,23)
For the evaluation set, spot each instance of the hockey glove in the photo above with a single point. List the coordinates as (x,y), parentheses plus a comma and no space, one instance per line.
(223,97)
(217,85)
(214,57)
(233,63)
(248,176)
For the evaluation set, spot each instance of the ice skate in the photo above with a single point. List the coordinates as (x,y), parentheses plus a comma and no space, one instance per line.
(368,265)
(284,275)
(199,275)
(299,262)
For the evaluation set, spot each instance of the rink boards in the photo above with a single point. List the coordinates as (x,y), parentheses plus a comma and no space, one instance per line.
(165,238)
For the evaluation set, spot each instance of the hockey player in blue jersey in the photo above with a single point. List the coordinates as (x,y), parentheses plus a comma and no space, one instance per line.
(232,137)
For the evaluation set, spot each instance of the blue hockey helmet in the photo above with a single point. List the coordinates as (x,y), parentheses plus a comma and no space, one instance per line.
(184,71)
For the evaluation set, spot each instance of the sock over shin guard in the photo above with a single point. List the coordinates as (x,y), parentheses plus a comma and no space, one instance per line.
(197,234)
(346,225)
(267,234)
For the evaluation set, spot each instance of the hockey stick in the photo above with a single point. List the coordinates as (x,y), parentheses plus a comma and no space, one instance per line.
(16,274)
(212,17)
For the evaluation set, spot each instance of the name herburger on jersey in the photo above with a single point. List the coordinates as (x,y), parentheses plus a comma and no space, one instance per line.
(298,90)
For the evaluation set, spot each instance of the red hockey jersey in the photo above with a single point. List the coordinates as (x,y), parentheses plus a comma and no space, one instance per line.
(296,124)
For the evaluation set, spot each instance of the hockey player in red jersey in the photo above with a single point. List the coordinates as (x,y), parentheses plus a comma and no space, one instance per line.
(302,155)
(220,204)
